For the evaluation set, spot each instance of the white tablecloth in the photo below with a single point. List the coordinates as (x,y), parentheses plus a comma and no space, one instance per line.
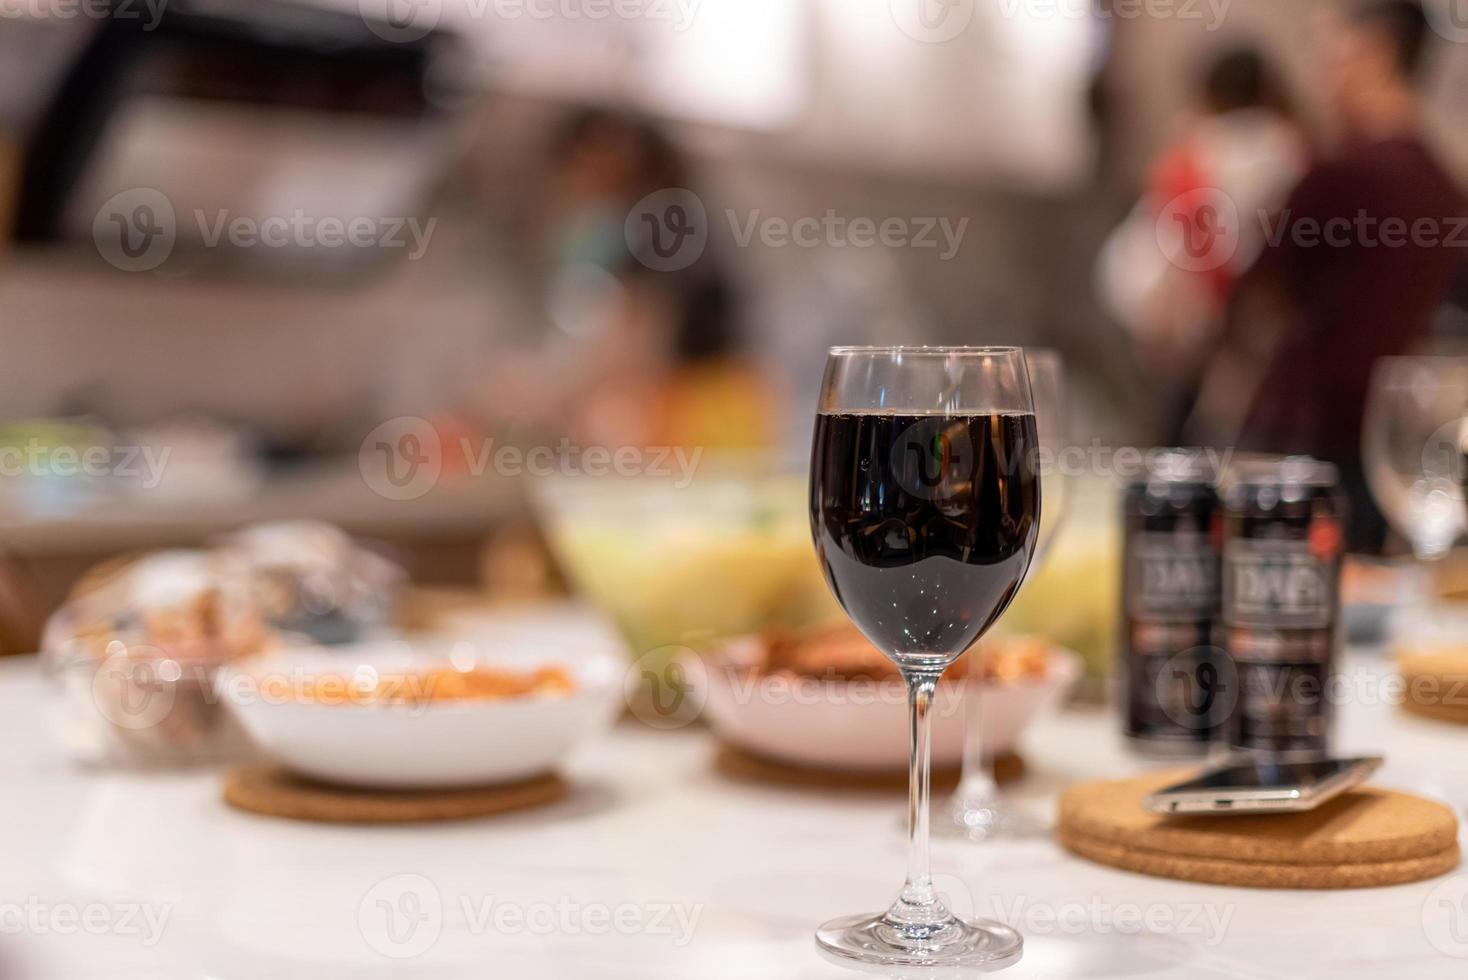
(656,867)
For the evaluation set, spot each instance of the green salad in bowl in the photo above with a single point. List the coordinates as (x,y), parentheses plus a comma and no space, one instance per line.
(679,565)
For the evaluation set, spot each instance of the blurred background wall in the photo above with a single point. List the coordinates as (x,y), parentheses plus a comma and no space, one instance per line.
(816,106)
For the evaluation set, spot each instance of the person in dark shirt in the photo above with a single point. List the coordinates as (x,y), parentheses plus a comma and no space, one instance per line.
(1362,254)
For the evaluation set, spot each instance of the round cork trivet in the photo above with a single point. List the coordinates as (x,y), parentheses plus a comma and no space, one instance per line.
(1219,871)
(745,765)
(276,793)
(1365,836)
(1435,684)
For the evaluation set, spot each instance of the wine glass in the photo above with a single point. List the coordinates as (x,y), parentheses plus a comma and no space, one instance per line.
(976,810)
(925,507)
(1413,445)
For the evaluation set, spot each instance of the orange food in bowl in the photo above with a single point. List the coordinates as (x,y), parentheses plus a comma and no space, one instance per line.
(443,684)
(843,653)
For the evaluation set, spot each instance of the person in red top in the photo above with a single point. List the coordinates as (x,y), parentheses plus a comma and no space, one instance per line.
(1354,265)
(1166,273)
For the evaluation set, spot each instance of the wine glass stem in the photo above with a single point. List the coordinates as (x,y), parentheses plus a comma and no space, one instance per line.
(975,781)
(917,903)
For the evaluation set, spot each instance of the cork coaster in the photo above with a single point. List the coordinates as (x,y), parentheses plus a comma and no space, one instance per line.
(740,764)
(276,793)
(1219,871)
(1365,837)
(1435,684)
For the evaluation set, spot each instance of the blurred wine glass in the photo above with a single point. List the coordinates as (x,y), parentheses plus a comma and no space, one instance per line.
(1413,444)
(977,810)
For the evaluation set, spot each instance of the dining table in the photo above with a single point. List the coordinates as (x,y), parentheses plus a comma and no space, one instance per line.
(657,866)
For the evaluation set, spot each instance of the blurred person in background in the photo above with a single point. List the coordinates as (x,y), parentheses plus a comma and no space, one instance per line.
(1361,257)
(1242,141)
(635,354)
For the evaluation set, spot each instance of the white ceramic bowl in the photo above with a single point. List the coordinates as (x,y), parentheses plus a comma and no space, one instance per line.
(863,725)
(438,744)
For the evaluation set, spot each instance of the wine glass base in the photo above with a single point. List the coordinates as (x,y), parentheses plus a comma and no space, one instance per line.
(978,822)
(874,944)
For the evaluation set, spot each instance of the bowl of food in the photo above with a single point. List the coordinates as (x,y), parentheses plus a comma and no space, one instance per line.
(426,714)
(682,561)
(827,699)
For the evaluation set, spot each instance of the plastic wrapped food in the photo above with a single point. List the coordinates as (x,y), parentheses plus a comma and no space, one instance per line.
(311,578)
(134,651)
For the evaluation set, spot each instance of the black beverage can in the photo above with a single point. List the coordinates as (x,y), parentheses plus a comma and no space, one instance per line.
(1170,661)
(1284,520)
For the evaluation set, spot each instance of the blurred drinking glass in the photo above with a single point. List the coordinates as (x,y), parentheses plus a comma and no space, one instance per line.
(976,810)
(1413,445)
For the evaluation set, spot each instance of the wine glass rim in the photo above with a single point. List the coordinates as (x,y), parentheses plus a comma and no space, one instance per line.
(926,351)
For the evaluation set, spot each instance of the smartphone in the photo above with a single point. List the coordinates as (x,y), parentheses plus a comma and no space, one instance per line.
(1263,787)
